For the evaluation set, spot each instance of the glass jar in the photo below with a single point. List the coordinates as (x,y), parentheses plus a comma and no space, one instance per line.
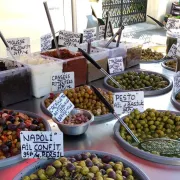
(172,38)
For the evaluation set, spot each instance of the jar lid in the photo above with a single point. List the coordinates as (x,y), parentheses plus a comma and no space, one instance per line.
(175,33)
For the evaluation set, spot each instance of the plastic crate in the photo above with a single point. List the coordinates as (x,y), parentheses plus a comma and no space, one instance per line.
(15,83)
(42,68)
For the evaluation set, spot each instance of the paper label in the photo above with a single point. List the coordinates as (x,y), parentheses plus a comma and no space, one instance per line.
(89,34)
(46,42)
(68,38)
(115,65)
(19,46)
(176,83)
(172,51)
(41,144)
(102,31)
(61,107)
(178,50)
(125,102)
(61,81)
(173,23)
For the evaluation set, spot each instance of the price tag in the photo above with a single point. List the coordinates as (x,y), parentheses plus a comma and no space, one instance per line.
(19,46)
(178,50)
(41,144)
(68,38)
(62,81)
(102,31)
(89,34)
(115,65)
(173,23)
(125,102)
(61,107)
(176,83)
(172,51)
(46,42)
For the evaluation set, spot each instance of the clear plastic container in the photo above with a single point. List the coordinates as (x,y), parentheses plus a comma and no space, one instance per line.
(15,82)
(112,49)
(172,38)
(72,62)
(42,68)
(101,57)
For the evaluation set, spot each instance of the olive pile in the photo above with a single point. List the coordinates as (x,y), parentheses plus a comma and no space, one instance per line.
(11,124)
(148,54)
(84,166)
(171,64)
(76,119)
(151,124)
(84,98)
(135,80)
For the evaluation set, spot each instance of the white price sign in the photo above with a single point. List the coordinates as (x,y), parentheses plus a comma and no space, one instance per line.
(19,46)
(178,50)
(42,145)
(89,34)
(177,83)
(61,107)
(61,81)
(115,65)
(68,38)
(173,23)
(172,51)
(125,102)
(46,42)
(102,31)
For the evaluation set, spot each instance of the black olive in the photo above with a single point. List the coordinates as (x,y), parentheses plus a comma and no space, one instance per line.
(12,121)
(5,111)
(12,127)
(35,121)
(9,143)
(33,127)
(5,127)
(21,120)
(2,121)
(22,125)
(10,118)
(4,148)
(7,155)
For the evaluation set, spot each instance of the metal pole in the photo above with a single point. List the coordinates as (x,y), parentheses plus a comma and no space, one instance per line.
(74,15)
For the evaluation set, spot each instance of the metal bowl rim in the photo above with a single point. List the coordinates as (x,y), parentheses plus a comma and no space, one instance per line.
(135,168)
(167,67)
(138,152)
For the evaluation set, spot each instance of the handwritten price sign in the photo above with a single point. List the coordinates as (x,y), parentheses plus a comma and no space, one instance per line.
(19,46)
(46,42)
(125,102)
(115,65)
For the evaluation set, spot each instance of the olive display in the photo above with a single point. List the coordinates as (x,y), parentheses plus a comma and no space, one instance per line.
(151,124)
(84,166)
(75,119)
(84,98)
(171,64)
(148,54)
(135,80)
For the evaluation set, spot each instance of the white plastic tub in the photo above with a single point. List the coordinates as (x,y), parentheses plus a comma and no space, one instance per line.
(42,68)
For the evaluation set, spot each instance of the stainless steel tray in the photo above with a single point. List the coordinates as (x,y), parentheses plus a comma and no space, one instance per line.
(15,159)
(175,103)
(43,163)
(101,118)
(146,93)
(167,67)
(143,154)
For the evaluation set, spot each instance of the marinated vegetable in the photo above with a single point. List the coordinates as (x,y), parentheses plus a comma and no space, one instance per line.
(148,54)
(11,124)
(171,64)
(84,98)
(134,80)
(151,124)
(75,119)
(64,54)
(85,166)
